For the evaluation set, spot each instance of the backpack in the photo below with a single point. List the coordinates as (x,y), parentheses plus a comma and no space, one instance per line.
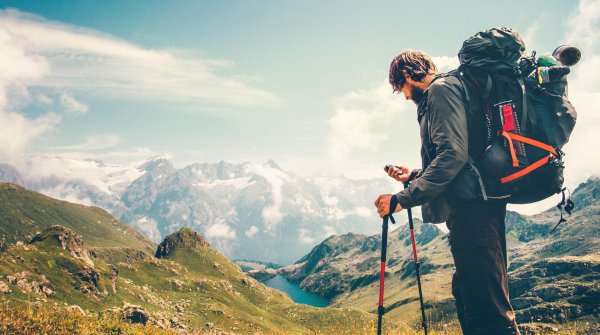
(527,118)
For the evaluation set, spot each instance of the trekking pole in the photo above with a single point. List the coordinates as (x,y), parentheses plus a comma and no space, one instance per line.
(417,264)
(384,233)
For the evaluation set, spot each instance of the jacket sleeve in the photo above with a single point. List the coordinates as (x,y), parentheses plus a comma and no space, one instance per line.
(449,135)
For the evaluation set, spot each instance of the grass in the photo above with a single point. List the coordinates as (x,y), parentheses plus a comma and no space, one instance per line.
(18,318)
(26,318)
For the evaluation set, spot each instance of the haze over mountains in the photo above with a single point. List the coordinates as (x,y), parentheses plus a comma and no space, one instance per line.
(246,210)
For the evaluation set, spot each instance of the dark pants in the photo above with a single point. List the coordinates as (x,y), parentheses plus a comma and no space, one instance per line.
(480,283)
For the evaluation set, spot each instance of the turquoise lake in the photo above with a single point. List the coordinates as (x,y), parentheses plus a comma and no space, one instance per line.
(297,294)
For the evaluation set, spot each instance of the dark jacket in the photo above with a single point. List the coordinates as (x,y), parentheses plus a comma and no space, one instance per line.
(444,149)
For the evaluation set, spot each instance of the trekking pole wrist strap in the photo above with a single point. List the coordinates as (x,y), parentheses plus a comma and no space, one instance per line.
(412,175)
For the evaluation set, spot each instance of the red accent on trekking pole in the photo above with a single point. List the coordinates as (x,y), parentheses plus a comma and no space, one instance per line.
(414,244)
(381,283)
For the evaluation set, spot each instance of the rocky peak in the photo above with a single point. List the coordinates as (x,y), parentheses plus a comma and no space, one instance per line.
(67,239)
(185,238)
(158,165)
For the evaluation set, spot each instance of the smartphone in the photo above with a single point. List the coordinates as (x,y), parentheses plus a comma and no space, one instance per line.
(387,167)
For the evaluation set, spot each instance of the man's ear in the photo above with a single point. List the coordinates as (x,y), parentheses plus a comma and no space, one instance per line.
(405,74)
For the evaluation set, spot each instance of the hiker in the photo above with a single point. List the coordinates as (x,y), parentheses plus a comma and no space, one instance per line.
(477,229)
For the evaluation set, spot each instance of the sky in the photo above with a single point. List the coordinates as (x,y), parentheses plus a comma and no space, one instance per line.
(303,83)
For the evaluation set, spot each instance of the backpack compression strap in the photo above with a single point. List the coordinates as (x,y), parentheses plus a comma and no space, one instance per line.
(514,137)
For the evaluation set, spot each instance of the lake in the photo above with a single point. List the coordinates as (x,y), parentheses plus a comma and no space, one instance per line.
(297,294)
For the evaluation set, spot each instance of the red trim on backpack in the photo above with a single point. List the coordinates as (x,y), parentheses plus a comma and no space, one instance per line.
(532,167)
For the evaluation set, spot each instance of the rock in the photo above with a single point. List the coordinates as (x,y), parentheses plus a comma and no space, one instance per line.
(4,288)
(132,313)
(135,313)
(89,281)
(262,275)
(75,310)
(177,284)
(68,240)
(29,282)
(114,273)
(185,238)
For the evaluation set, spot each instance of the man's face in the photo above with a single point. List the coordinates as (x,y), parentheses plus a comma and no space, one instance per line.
(412,92)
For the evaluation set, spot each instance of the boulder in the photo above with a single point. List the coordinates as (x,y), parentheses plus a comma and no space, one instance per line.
(4,288)
(30,282)
(68,240)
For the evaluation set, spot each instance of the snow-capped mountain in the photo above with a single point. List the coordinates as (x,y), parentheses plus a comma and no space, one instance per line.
(247,210)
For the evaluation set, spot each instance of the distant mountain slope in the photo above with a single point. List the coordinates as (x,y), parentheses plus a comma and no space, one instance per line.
(553,277)
(101,265)
(246,210)
(23,213)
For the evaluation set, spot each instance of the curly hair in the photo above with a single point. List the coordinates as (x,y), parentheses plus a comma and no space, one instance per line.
(417,65)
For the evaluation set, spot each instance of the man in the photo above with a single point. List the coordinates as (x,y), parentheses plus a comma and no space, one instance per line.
(477,231)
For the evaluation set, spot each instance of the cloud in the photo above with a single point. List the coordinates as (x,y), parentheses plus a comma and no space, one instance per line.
(272,214)
(71,104)
(251,232)
(365,123)
(582,29)
(220,230)
(91,62)
(17,132)
(304,237)
(445,63)
(93,143)
(361,122)
(18,69)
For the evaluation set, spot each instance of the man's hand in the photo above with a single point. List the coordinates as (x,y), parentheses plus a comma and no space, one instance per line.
(383,205)
(400,173)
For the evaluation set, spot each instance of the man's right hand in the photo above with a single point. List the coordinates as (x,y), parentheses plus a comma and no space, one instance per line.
(400,173)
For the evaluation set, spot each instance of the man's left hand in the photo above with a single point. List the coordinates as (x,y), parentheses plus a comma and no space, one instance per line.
(383,205)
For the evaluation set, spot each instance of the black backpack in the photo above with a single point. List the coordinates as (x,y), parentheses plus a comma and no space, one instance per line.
(526,115)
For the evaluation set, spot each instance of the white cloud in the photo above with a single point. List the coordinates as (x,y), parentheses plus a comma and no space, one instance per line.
(304,237)
(251,232)
(44,99)
(92,143)
(71,104)
(445,63)
(582,29)
(18,69)
(272,214)
(64,61)
(367,122)
(91,62)
(107,178)
(17,132)
(362,120)
(220,230)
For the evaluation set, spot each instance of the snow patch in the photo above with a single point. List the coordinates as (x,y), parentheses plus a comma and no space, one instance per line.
(235,183)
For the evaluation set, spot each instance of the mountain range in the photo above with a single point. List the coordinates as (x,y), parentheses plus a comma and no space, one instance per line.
(553,277)
(245,210)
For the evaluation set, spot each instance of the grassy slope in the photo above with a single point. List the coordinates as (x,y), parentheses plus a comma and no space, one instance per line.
(192,287)
(23,213)
(530,245)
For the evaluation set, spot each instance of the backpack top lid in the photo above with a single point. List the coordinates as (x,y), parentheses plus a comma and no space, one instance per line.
(493,50)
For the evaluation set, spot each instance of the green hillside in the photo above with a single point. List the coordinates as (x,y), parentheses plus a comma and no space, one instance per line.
(24,213)
(78,255)
(553,277)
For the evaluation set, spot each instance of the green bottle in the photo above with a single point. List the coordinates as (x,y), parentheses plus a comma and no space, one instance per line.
(547,60)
